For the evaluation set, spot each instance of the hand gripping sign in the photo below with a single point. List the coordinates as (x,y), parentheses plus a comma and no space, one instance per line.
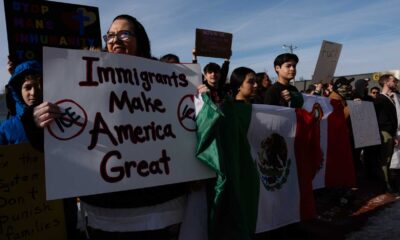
(72,122)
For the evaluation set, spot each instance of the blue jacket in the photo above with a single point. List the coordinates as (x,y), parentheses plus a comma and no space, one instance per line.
(12,130)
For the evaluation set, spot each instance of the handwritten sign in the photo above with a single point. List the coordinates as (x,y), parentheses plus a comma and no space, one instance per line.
(364,123)
(127,123)
(24,212)
(33,24)
(327,62)
(213,43)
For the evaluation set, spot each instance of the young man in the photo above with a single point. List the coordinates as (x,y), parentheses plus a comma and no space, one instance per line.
(282,93)
(387,122)
(215,78)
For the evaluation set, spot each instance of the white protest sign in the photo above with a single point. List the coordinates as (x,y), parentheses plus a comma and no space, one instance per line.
(327,61)
(364,123)
(127,123)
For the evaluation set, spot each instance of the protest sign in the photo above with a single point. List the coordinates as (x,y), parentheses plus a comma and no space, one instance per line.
(327,61)
(128,122)
(213,43)
(364,123)
(24,212)
(34,24)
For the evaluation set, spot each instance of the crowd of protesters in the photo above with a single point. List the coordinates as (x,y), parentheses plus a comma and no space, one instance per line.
(155,213)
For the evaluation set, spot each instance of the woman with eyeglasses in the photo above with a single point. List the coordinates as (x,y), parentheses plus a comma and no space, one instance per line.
(150,213)
(127,35)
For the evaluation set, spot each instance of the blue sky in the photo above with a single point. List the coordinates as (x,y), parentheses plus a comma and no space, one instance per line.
(369,30)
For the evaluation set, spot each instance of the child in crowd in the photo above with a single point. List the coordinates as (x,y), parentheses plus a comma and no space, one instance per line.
(23,91)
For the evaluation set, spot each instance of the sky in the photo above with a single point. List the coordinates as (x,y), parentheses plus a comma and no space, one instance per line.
(369,30)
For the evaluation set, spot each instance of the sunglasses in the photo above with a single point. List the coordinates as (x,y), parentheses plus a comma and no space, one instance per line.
(122,35)
(374,92)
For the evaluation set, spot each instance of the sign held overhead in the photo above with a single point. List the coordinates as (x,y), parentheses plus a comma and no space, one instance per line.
(327,62)
(213,43)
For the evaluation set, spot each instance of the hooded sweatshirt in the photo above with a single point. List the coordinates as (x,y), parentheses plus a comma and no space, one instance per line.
(15,129)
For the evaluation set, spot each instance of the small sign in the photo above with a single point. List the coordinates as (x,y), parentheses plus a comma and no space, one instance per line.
(213,44)
(364,123)
(24,211)
(327,62)
(34,24)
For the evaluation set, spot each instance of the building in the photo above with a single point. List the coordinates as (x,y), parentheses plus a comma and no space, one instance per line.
(374,77)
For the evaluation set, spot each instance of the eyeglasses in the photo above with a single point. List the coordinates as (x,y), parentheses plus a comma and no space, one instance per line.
(374,92)
(122,35)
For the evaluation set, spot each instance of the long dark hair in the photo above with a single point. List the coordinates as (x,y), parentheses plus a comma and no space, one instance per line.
(237,78)
(143,41)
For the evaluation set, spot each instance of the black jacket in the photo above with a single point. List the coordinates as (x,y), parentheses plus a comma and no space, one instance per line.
(386,114)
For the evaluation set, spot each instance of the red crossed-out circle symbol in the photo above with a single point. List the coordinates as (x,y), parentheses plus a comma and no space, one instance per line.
(71,123)
(186,113)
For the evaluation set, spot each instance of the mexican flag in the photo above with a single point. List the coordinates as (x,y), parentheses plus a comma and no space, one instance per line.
(310,102)
(337,168)
(255,150)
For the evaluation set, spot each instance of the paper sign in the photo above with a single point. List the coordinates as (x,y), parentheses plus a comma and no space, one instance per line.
(24,211)
(127,123)
(33,24)
(213,44)
(364,123)
(327,61)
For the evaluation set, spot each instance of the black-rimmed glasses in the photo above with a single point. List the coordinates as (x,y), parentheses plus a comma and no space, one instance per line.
(122,35)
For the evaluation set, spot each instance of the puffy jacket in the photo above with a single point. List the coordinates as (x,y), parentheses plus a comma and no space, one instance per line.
(14,130)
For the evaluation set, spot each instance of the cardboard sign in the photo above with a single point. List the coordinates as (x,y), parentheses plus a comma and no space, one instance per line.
(364,123)
(33,24)
(327,61)
(213,44)
(24,211)
(127,123)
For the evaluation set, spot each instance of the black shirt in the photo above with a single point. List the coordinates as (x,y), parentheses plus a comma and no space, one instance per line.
(273,94)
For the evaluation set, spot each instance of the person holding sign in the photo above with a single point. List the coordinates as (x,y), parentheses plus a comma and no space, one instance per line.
(282,93)
(150,213)
(214,79)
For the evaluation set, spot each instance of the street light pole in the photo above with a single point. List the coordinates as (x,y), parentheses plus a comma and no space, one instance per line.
(290,47)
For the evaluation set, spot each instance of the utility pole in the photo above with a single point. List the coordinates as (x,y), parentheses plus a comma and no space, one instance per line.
(290,47)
